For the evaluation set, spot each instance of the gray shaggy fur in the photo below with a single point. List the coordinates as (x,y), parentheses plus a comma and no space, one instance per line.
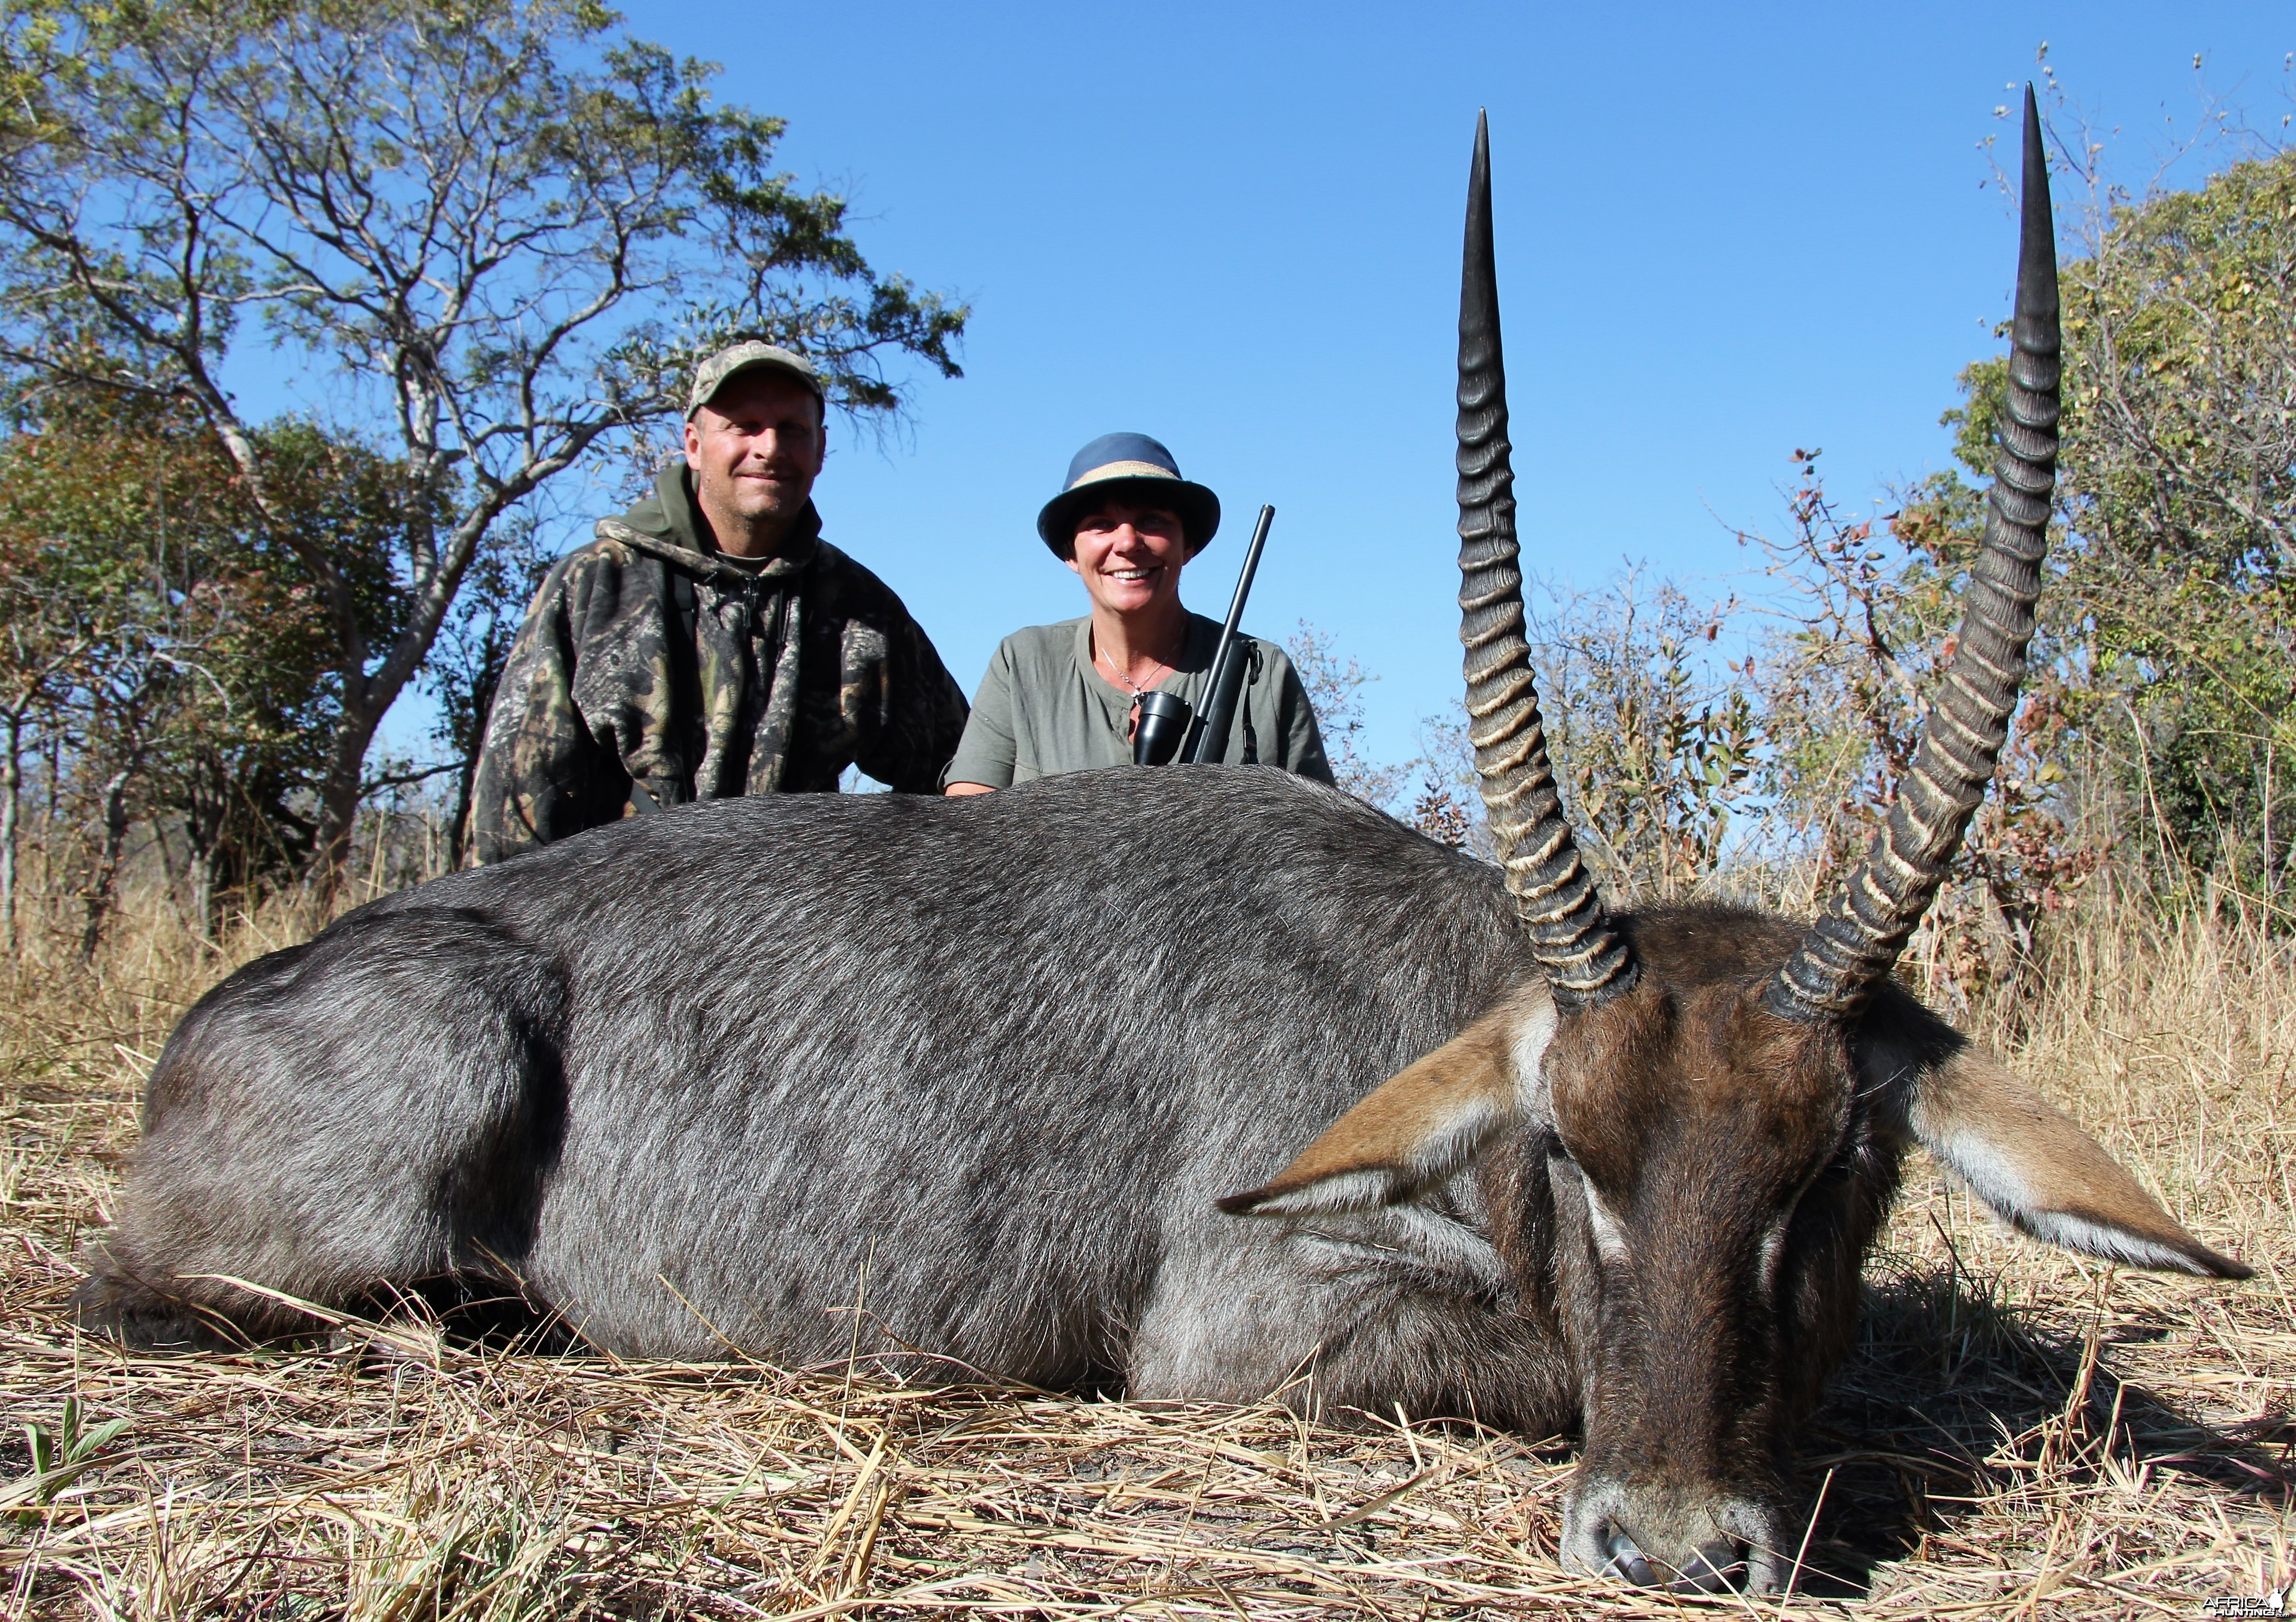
(686,1079)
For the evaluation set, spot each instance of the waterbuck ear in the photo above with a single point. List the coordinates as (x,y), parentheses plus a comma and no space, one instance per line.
(1424,1122)
(2044,1175)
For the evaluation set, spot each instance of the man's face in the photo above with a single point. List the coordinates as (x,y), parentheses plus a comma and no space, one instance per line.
(755,450)
(1129,557)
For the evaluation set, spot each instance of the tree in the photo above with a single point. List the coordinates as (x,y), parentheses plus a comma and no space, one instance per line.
(247,779)
(1334,688)
(1653,749)
(42,646)
(183,660)
(512,229)
(1843,690)
(1444,805)
(467,662)
(98,634)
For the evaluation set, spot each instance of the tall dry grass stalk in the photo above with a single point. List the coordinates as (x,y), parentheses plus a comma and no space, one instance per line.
(2021,1433)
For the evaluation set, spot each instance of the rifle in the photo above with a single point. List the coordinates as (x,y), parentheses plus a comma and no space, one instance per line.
(1158,733)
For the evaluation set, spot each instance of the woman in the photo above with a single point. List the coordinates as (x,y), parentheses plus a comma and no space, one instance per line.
(1064,698)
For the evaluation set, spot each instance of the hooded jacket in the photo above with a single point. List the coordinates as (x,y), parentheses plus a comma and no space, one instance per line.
(652,670)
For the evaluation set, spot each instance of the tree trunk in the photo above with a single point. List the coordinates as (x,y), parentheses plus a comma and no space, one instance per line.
(12,783)
(173,880)
(458,839)
(104,879)
(466,780)
(47,841)
(206,806)
(338,796)
(207,897)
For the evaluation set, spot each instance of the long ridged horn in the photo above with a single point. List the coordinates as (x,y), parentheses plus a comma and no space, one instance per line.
(1858,936)
(1586,963)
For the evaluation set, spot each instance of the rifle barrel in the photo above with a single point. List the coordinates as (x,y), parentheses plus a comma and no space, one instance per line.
(1209,742)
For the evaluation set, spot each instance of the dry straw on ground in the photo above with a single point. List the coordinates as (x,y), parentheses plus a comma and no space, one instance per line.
(2020,1433)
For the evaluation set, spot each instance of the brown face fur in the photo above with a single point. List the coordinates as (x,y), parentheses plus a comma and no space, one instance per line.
(1729,1186)
(1683,1186)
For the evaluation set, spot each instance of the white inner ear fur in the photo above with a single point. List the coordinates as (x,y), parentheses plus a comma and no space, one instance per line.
(2108,1244)
(1993,1176)
(2044,1176)
(1409,1238)
(1350,1190)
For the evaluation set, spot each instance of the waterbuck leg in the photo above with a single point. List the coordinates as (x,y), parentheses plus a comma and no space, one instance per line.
(372,1112)
(1355,1311)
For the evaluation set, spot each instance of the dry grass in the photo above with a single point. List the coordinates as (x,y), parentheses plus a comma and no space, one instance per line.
(2021,1434)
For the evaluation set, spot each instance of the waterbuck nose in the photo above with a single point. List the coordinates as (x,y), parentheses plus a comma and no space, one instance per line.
(1717,1565)
(1713,1566)
(1690,1538)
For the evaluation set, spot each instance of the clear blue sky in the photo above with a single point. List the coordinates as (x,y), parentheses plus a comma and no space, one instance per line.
(1723,232)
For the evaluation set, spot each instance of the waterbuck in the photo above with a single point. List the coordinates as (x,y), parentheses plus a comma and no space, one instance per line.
(688,1080)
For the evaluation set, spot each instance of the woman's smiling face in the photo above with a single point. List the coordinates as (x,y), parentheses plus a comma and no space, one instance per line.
(1129,557)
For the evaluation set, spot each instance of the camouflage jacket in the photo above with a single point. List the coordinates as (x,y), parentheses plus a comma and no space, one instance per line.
(652,670)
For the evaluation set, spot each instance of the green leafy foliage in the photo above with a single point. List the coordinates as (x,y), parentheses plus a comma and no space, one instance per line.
(61,1456)
(1655,747)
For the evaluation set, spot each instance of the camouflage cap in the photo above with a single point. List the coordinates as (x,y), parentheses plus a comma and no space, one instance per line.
(749,356)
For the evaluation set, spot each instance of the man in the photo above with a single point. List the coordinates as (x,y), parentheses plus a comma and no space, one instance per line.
(1064,698)
(708,642)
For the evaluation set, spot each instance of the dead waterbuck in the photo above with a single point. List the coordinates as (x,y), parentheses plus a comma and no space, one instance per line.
(683,1080)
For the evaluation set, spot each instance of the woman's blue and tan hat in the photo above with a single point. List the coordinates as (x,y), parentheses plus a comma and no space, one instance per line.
(1128,468)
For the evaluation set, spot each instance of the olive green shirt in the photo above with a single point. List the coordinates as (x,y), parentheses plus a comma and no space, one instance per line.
(1043,709)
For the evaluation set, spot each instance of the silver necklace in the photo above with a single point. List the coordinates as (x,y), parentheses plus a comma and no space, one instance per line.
(1130,686)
